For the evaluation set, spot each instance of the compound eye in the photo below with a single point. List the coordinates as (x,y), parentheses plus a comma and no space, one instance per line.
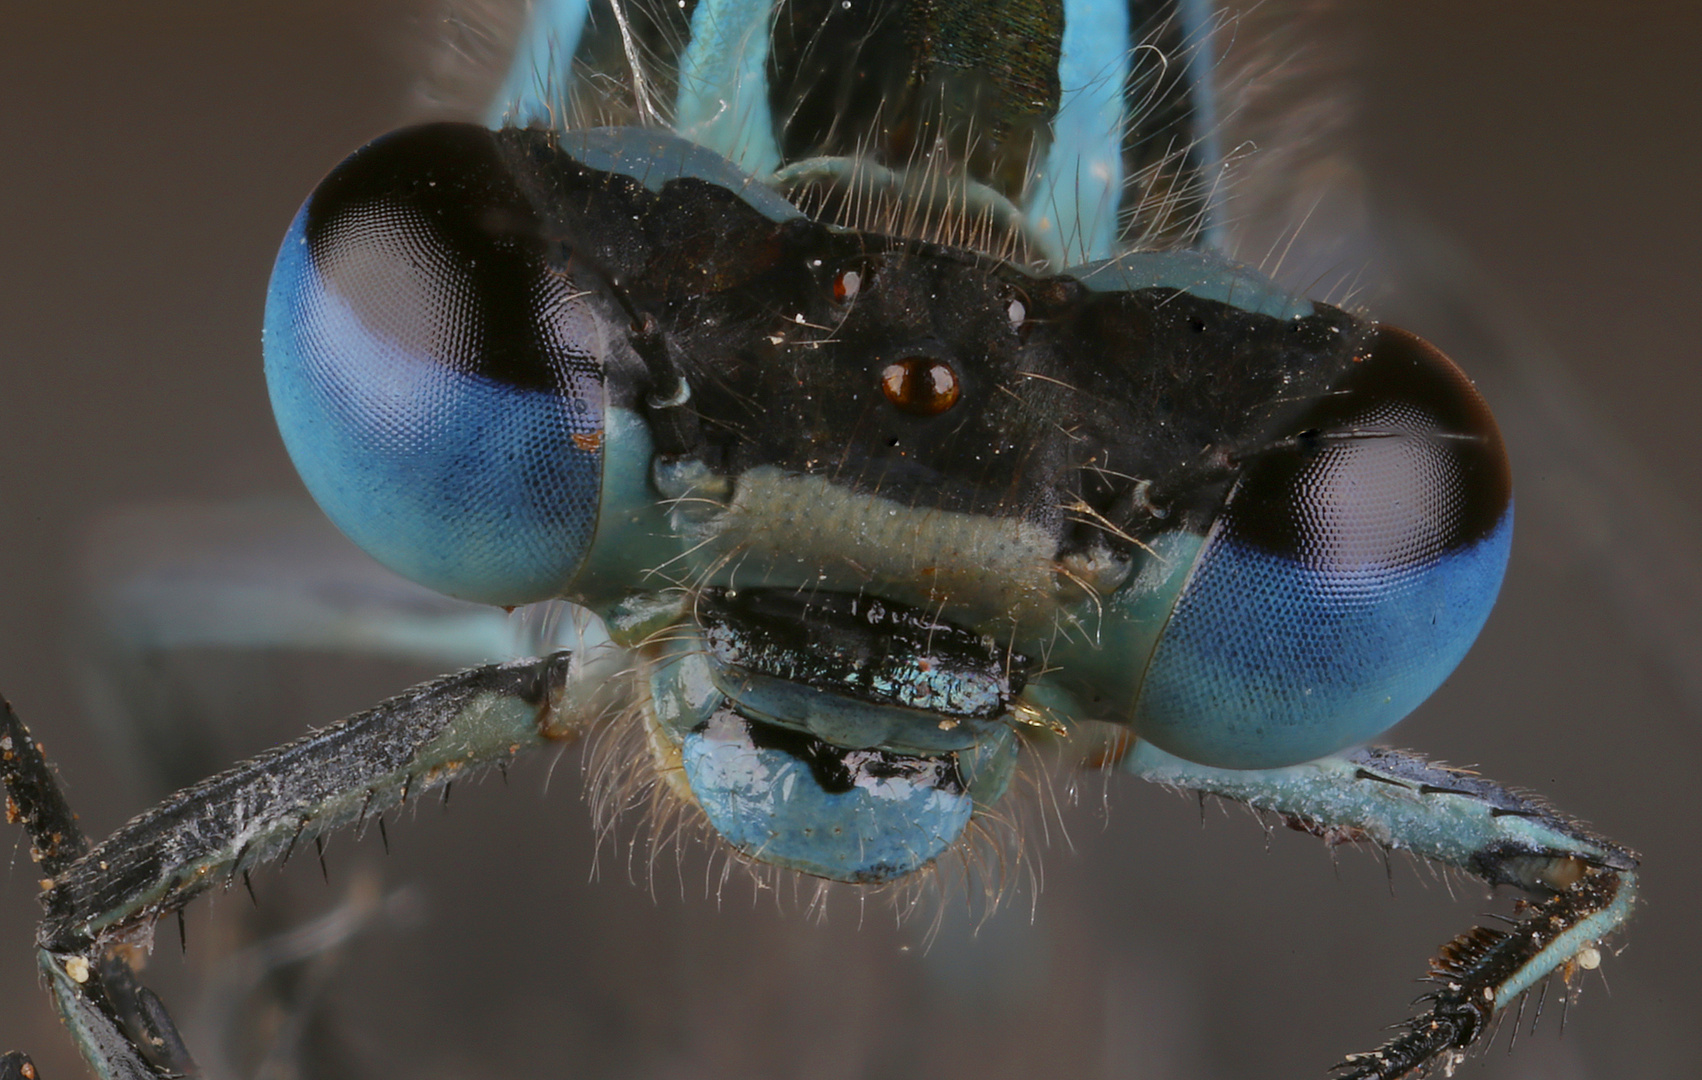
(435,376)
(920,385)
(1350,570)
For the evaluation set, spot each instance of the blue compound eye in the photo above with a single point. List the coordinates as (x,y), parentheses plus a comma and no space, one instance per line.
(1354,563)
(437,380)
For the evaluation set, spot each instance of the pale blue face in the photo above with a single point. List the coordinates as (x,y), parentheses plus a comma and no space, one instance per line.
(470,333)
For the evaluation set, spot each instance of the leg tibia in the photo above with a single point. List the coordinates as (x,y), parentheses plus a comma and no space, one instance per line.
(1503,836)
(259,810)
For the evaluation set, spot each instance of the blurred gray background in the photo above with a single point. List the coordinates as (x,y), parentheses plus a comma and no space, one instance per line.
(150,159)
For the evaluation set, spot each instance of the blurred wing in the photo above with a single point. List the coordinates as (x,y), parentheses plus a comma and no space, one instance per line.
(168,587)
(1060,130)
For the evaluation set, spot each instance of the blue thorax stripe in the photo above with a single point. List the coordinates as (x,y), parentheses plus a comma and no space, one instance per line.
(1132,152)
(1075,198)
(536,86)
(723,79)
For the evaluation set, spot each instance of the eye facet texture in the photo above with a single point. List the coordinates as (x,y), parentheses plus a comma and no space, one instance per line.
(437,380)
(1352,567)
